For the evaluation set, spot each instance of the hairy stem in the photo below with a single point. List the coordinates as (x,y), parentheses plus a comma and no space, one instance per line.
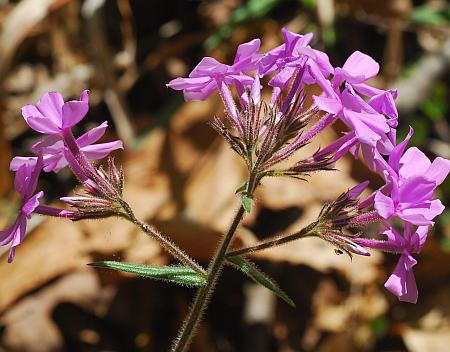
(277,241)
(203,294)
(164,242)
(184,339)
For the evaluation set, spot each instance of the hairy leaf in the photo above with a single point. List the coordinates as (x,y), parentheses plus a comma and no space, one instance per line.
(174,273)
(258,276)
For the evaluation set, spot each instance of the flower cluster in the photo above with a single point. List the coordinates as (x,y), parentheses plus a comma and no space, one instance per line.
(55,118)
(264,134)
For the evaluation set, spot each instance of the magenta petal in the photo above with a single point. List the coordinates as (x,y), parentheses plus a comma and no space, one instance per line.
(402,282)
(73,112)
(18,161)
(18,236)
(356,191)
(438,170)
(200,93)
(323,62)
(415,216)
(246,58)
(84,97)
(413,162)
(31,182)
(31,204)
(55,162)
(384,205)
(384,103)
(42,125)
(23,174)
(208,66)
(92,135)
(283,77)
(397,152)
(185,83)
(255,92)
(50,106)
(416,190)
(330,105)
(360,67)
(47,142)
(101,150)
(7,236)
(364,133)
(320,80)
(247,49)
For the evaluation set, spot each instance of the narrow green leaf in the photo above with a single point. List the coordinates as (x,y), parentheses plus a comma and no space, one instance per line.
(174,273)
(258,276)
(247,202)
(241,188)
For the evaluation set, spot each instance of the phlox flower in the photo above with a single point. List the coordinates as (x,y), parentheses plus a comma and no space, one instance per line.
(210,74)
(25,183)
(54,150)
(295,53)
(401,283)
(51,115)
(411,180)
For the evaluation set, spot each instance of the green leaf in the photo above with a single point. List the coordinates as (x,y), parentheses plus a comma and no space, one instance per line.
(174,273)
(247,202)
(241,188)
(258,276)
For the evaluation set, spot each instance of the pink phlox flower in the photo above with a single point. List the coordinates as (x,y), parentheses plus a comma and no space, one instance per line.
(370,127)
(205,77)
(374,121)
(412,180)
(295,53)
(53,150)
(401,283)
(357,69)
(51,115)
(25,183)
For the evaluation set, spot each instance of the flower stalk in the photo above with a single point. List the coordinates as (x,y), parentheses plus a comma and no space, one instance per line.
(204,293)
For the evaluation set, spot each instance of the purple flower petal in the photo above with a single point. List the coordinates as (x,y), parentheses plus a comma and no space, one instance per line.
(358,68)
(397,152)
(18,161)
(50,106)
(416,190)
(184,83)
(92,135)
(210,67)
(31,204)
(101,150)
(438,170)
(330,105)
(402,282)
(413,162)
(384,205)
(14,235)
(73,112)
(40,124)
(356,191)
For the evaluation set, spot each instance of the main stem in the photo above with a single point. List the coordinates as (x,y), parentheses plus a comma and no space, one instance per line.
(201,300)
(203,294)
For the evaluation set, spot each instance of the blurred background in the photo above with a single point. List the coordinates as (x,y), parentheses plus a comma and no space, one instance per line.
(181,177)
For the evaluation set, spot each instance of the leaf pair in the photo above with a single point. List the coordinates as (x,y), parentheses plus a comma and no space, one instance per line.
(186,276)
